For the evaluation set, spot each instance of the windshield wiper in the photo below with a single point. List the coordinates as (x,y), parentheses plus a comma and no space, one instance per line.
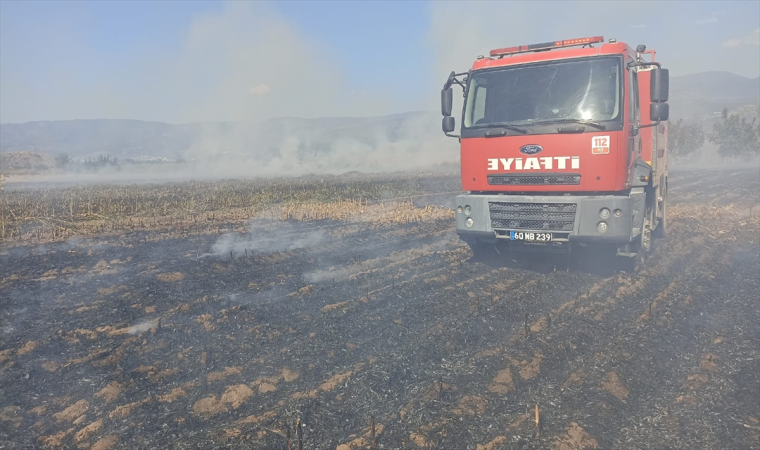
(499,125)
(571,120)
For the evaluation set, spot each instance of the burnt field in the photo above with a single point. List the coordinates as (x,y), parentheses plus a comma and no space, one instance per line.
(358,320)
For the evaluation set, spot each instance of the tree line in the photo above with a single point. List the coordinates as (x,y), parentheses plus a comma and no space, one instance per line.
(734,135)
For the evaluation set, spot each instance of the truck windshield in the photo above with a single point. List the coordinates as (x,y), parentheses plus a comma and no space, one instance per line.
(587,89)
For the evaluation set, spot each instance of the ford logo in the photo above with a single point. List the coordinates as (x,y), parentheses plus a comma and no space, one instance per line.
(531,149)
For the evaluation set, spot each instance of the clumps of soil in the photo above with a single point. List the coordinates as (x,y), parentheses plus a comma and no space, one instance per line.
(89,430)
(419,440)
(334,306)
(335,381)
(528,369)
(105,443)
(497,443)
(502,383)
(363,441)
(266,384)
(175,394)
(5,355)
(126,410)
(89,334)
(49,275)
(289,375)
(539,325)
(237,395)
(303,291)
(228,371)
(470,405)
(102,268)
(709,362)
(72,412)
(209,406)
(517,423)
(695,381)
(110,392)
(38,410)
(10,414)
(687,399)
(205,320)
(234,396)
(253,419)
(305,394)
(575,378)
(56,440)
(111,290)
(615,386)
(171,277)
(575,438)
(26,348)
(531,369)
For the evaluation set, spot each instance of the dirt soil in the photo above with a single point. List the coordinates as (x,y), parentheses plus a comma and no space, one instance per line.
(363,333)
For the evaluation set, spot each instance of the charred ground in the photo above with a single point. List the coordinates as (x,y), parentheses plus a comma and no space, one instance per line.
(211,330)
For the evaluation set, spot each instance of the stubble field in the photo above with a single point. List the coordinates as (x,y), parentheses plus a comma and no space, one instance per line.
(348,315)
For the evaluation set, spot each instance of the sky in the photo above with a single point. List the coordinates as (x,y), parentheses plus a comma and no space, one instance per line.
(198,61)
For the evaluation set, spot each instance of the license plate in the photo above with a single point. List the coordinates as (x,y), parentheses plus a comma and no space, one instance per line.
(530,236)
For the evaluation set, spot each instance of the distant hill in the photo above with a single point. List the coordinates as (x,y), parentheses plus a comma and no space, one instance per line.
(699,95)
(132,138)
(692,97)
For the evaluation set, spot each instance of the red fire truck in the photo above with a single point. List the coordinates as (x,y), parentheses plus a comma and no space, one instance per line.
(555,153)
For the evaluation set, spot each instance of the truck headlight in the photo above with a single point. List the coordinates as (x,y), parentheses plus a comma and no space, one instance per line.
(469,222)
(602,227)
(604,213)
(467,210)
(459,210)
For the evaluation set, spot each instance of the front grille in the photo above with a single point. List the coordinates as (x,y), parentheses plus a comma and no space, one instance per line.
(525,180)
(532,216)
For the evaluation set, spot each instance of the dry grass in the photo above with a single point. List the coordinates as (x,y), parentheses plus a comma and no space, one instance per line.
(80,210)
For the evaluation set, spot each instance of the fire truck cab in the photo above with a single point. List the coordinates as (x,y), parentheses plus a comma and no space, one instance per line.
(556,152)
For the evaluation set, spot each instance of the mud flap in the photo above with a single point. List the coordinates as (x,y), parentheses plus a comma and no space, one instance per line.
(639,197)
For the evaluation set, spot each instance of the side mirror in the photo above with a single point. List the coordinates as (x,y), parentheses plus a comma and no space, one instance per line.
(450,80)
(448,123)
(658,112)
(447,100)
(659,85)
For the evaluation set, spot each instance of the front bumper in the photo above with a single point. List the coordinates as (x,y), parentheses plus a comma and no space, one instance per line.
(570,218)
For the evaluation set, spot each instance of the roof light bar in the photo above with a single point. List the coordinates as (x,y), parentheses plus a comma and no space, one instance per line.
(546,46)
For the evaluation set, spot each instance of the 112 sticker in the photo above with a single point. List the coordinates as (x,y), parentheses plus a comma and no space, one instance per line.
(600,145)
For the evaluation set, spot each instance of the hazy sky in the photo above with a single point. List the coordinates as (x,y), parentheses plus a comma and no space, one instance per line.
(212,61)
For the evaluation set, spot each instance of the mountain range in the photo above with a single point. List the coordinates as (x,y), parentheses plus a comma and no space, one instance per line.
(692,97)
